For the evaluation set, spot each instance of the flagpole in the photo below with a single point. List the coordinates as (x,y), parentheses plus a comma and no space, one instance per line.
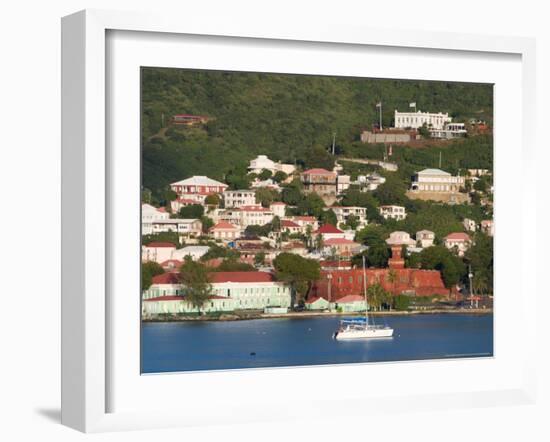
(380,115)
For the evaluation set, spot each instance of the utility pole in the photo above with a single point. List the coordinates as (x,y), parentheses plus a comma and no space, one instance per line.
(333,142)
(440,159)
(470,277)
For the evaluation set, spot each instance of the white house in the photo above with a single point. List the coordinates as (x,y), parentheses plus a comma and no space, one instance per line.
(415,120)
(255,216)
(393,212)
(425,238)
(343,213)
(157,251)
(469,224)
(262,162)
(449,131)
(238,198)
(184,227)
(148,215)
(399,238)
(458,242)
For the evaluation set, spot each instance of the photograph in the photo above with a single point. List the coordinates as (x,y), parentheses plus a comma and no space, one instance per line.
(292,220)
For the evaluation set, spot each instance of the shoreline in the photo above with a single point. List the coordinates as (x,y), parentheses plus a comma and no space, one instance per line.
(300,315)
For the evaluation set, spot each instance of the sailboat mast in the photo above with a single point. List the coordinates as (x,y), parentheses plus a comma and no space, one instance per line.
(365,290)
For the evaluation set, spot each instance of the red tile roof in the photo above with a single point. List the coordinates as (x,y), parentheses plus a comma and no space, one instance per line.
(158,244)
(350,298)
(328,228)
(224,225)
(458,236)
(338,241)
(167,278)
(220,277)
(318,171)
(288,223)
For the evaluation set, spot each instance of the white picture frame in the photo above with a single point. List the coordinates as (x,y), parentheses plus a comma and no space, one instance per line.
(86,352)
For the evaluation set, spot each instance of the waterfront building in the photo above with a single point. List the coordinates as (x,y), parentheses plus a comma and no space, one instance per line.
(157,251)
(344,212)
(350,303)
(399,238)
(197,188)
(393,212)
(322,182)
(262,162)
(425,238)
(415,120)
(459,242)
(230,291)
(149,214)
(184,227)
(238,198)
(316,303)
(225,231)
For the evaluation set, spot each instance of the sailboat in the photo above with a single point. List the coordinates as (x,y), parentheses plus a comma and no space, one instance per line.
(362,327)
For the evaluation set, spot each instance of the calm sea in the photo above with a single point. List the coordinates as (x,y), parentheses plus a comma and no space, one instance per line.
(184,346)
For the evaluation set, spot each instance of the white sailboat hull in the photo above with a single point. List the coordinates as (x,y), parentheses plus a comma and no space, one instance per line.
(367,333)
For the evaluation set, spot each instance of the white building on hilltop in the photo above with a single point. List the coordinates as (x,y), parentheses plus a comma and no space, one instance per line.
(393,212)
(415,120)
(262,162)
(436,180)
(344,212)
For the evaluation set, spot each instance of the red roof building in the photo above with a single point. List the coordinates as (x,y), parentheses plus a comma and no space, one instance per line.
(241,277)
(327,228)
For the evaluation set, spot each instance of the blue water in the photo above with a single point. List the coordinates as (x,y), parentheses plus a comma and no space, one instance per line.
(185,346)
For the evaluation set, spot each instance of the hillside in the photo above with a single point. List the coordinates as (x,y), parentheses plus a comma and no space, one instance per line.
(290,118)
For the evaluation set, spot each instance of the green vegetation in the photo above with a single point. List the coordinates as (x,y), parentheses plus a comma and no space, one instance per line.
(195,280)
(297,272)
(148,270)
(288,117)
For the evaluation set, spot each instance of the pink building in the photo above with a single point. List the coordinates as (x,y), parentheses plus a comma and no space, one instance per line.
(458,242)
(157,251)
(225,231)
(197,188)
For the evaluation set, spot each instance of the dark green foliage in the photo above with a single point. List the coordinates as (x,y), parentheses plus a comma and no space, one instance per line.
(265,174)
(232,265)
(253,230)
(207,223)
(148,270)
(172,237)
(328,217)
(279,176)
(401,302)
(265,196)
(191,211)
(439,258)
(312,205)
(296,271)
(196,282)
(480,256)
(217,251)
(286,117)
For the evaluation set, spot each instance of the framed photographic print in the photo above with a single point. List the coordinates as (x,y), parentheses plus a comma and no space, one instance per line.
(283,217)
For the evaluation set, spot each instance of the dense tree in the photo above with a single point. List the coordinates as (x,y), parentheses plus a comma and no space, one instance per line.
(377,296)
(312,205)
(265,174)
(265,196)
(191,211)
(212,200)
(232,264)
(217,251)
(207,223)
(148,270)
(297,272)
(171,237)
(328,217)
(279,176)
(440,258)
(195,283)
(259,259)
(401,302)
(480,257)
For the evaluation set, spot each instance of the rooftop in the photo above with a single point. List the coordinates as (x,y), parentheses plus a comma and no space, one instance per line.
(458,236)
(224,225)
(221,277)
(318,171)
(328,228)
(434,172)
(166,278)
(198,180)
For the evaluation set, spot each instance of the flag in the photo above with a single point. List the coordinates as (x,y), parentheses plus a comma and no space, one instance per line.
(412,104)
(379,104)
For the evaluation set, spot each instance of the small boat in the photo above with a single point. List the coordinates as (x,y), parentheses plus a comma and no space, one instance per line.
(362,328)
